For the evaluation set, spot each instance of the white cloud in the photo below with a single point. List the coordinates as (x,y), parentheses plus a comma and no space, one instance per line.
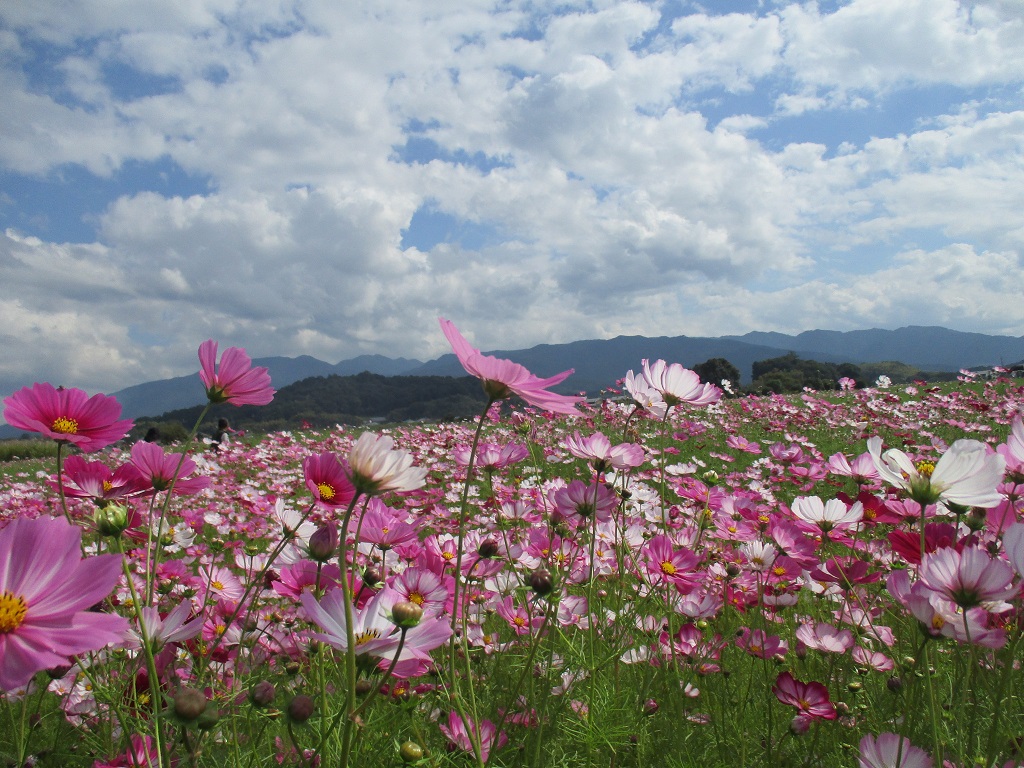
(633,173)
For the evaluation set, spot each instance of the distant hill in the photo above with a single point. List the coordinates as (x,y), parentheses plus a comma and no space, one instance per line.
(930,348)
(599,364)
(156,397)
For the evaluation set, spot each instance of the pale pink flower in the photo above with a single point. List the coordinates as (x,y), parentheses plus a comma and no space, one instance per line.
(376,468)
(503,378)
(598,450)
(828,515)
(967,474)
(889,750)
(677,384)
(1013,544)
(969,578)
(825,638)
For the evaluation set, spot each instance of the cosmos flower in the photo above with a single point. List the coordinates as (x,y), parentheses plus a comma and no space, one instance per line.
(237,382)
(503,378)
(375,633)
(810,699)
(677,384)
(376,468)
(95,480)
(458,733)
(159,470)
(890,750)
(327,480)
(46,590)
(599,451)
(67,416)
(967,474)
(969,578)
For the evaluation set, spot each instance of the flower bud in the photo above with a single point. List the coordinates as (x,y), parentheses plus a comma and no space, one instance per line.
(111,520)
(488,548)
(372,577)
(323,543)
(262,694)
(410,752)
(406,614)
(300,708)
(650,707)
(541,582)
(189,703)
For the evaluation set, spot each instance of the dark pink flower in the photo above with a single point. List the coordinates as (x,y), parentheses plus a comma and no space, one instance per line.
(328,481)
(810,699)
(160,470)
(237,382)
(95,480)
(503,378)
(67,415)
(46,590)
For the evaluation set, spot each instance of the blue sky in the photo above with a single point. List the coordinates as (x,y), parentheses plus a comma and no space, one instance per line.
(328,178)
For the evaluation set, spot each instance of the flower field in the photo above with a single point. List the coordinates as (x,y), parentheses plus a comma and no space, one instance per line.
(669,578)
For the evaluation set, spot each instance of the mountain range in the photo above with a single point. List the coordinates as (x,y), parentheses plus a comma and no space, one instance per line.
(600,363)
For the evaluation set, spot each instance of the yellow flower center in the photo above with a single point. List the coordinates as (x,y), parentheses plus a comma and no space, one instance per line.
(416,597)
(217,584)
(448,555)
(925,468)
(65,426)
(12,612)
(107,486)
(364,637)
(327,492)
(668,569)
(519,621)
(938,622)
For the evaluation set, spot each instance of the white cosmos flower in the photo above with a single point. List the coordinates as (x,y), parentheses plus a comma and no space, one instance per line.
(377,468)
(967,474)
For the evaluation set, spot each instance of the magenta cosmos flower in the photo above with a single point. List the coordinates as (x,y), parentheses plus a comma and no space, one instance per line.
(503,378)
(67,415)
(237,382)
(327,480)
(457,732)
(810,699)
(46,589)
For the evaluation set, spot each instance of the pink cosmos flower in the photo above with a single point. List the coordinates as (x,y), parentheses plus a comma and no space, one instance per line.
(586,501)
(172,628)
(375,634)
(158,470)
(1013,543)
(889,750)
(677,384)
(503,378)
(46,589)
(1013,449)
(968,578)
(760,644)
(237,382)
(95,480)
(327,480)
(491,457)
(825,638)
(665,563)
(810,699)
(598,450)
(429,590)
(459,734)
(67,416)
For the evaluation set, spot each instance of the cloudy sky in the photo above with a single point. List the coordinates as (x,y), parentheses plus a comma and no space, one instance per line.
(327,177)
